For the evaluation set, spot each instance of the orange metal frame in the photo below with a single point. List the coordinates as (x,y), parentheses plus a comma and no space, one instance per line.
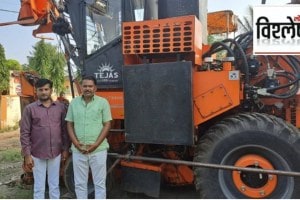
(36,12)
(214,93)
(221,22)
(164,36)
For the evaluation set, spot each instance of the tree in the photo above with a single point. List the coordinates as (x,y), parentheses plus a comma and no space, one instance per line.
(4,72)
(2,53)
(12,64)
(4,75)
(5,66)
(25,67)
(48,63)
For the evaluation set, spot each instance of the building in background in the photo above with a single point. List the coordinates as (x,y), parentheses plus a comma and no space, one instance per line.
(19,95)
(10,104)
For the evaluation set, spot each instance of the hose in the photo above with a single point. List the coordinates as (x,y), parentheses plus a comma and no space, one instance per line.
(214,49)
(244,58)
(283,86)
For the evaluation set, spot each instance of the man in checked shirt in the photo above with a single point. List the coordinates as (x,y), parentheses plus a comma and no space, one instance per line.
(44,139)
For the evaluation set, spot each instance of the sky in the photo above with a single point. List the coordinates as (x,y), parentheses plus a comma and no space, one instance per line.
(18,41)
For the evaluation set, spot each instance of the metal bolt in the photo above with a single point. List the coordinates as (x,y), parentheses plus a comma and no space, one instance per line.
(256,163)
(262,192)
(270,177)
(243,188)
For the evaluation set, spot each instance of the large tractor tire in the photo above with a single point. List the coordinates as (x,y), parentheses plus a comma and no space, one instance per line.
(249,140)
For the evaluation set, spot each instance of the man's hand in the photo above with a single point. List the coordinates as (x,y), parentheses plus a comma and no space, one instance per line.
(29,164)
(90,148)
(64,156)
(81,147)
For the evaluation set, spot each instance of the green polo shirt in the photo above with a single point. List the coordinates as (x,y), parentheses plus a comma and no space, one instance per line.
(88,120)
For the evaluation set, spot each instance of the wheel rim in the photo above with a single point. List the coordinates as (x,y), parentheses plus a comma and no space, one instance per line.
(254,185)
(284,186)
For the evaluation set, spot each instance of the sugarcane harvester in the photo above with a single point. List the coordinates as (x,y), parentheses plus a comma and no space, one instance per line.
(184,112)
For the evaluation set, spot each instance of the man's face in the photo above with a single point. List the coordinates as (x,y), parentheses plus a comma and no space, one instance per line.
(44,93)
(88,88)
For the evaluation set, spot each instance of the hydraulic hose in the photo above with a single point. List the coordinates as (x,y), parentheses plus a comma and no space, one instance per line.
(216,47)
(244,58)
(283,86)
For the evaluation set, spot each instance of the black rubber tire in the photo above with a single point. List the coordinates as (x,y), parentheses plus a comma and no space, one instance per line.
(249,133)
(110,179)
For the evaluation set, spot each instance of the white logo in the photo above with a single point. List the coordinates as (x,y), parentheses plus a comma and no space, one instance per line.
(106,71)
(234,75)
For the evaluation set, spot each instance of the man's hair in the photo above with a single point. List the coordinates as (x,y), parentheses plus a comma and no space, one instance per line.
(41,82)
(91,78)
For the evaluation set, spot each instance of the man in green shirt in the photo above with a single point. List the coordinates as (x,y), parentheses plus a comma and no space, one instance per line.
(88,123)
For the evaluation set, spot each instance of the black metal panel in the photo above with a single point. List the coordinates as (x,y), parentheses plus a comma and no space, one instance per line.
(141,181)
(106,65)
(175,8)
(158,103)
(76,10)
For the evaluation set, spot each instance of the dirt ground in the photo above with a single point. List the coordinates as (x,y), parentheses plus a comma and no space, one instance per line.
(11,186)
(10,172)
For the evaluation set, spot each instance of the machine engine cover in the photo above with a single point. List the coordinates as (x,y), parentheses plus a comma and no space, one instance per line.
(158,103)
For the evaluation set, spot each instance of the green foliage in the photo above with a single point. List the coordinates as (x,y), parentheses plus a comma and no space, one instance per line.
(13,64)
(48,63)
(217,38)
(211,39)
(4,76)
(5,66)
(57,71)
(25,67)
(2,53)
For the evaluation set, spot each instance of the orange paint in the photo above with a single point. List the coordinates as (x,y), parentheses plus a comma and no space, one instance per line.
(164,36)
(252,160)
(116,101)
(214,93)
(140,165)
